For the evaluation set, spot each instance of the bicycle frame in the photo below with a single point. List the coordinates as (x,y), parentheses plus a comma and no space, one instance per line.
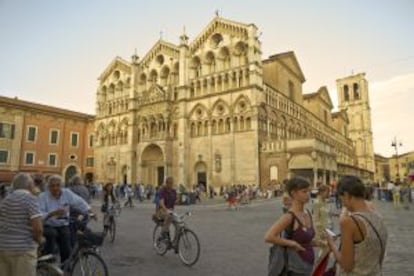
(179,225)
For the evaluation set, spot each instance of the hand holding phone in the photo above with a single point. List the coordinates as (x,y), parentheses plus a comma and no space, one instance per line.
(330,232)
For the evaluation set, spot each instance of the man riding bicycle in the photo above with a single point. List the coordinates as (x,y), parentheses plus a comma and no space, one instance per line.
(55,204)
(168,197)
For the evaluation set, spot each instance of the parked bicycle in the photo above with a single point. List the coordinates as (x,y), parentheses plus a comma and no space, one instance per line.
(84,259)
(110,222)
(183,240)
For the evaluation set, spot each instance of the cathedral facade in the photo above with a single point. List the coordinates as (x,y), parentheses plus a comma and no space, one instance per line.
(212,111)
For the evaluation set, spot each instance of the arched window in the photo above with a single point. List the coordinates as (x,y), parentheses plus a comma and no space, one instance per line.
(214,127)
(165,72)
(200,129)
(210,61)
(206,128)
(120,86)
(228,125)
(248,123)
(193,130)
(220,126)
(196,66)
(346,93)
(225,57)
(111,89)
(154,76)
(216,40)
(143,78)
(356,91)
(241,123)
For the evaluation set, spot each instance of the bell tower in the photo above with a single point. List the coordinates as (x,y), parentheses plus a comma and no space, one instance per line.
(354,99)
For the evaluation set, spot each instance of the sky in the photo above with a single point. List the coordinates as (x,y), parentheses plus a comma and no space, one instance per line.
(52,52)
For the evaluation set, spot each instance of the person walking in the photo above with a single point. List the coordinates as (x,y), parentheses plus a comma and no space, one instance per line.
(396,195)
(129,194)
(21,229)
(405,195)
(363,233)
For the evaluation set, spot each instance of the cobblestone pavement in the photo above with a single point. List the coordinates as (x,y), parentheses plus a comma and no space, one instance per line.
(232,241)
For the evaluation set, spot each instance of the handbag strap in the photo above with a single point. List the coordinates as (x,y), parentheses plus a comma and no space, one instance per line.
(378,236)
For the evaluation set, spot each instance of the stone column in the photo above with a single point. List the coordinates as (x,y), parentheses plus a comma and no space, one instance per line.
(324,177)
(315,176)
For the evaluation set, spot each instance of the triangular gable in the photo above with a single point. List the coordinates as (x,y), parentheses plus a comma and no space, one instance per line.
(324,95)
(161,46)
(154,93)
(221,25)
(117,63)
(289,59)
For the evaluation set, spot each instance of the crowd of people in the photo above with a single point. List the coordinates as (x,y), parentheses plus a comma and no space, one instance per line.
(36,210)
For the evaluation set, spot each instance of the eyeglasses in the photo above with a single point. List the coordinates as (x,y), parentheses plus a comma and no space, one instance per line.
(54,184)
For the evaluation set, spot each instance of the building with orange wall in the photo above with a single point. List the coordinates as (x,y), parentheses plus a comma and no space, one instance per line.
(37,138)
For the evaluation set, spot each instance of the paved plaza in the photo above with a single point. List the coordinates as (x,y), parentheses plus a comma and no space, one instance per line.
(232,241)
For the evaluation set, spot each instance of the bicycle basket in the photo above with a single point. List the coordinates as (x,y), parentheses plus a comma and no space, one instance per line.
(90,239)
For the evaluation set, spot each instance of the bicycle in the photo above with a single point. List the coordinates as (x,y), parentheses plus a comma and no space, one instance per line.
(184,243)
(84,259)
(112,212)
(47,265)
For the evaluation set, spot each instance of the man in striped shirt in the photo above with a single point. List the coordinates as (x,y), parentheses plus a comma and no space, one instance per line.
(20,229)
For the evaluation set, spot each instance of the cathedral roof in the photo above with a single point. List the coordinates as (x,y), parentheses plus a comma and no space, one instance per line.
(219,24)
(289,60)
(119,62)
(322,93)
(161,46)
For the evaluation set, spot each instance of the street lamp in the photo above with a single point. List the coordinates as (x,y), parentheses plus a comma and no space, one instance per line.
(395,144)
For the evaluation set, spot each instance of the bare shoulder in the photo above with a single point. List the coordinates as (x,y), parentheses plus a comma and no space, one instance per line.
(345,221)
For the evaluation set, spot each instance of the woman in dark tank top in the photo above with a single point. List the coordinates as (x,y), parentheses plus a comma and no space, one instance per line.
(297,228)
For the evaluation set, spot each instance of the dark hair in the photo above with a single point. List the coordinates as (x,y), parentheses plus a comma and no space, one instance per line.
(352,185)
(295,184)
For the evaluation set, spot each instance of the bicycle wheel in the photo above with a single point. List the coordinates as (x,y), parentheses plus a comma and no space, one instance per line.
(112,229)
(159,244)
(188,247)
(89,263)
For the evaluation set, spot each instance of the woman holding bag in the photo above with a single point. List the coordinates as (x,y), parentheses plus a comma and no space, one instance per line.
(298,231)
(363,233)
